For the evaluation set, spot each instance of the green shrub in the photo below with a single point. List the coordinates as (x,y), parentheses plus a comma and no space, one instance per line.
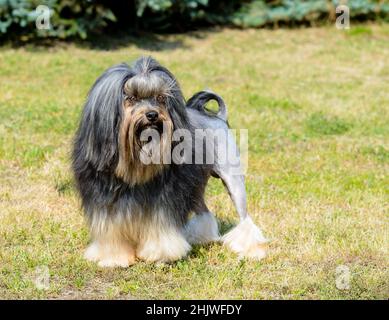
(69,18)
(259,13)
(77,19)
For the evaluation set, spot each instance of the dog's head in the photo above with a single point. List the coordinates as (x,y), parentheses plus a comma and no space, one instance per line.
(127,109)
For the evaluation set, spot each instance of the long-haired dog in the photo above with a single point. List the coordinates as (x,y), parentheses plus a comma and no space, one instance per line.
(155,210)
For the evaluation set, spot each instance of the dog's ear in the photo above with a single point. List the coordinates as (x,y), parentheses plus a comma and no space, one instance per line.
(200,99)
(96,141)
(176,108)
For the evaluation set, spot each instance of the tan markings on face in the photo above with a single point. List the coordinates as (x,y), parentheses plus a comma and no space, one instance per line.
(129,167)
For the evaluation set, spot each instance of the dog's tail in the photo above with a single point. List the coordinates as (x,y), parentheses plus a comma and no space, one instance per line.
(200,99)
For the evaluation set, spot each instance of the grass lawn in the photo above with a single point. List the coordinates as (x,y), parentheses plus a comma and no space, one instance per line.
(316,103)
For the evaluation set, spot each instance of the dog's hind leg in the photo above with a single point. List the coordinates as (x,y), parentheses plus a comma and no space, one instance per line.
(202,227)
(246,239)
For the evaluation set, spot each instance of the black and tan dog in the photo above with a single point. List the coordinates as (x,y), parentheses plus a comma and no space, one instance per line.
(153,210)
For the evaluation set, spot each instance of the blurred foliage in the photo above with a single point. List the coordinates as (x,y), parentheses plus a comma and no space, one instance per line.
(77,19)
(292,12)
(68,18)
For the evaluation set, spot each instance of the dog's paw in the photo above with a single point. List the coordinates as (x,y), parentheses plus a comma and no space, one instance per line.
(119,261)
(246,240)
(257,252)
(110,257)
(92,253)
(164,248)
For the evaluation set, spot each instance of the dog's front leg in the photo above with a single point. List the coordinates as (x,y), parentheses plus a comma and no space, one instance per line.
(162,239)
(246,238)
(109,247)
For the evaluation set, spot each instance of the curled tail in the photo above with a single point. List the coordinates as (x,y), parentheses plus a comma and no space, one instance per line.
(200,99)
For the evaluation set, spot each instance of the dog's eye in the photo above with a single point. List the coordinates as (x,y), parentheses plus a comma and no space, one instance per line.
(131,99)
(161,98)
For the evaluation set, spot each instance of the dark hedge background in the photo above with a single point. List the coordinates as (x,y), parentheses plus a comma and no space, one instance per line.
(80,19)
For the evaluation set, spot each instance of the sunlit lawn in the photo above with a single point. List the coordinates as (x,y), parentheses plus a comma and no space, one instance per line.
(316,103)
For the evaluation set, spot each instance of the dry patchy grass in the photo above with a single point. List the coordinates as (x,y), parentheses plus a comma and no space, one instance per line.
(316,104)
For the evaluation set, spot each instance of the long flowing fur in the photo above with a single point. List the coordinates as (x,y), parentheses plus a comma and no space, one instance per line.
(132,211)
(106,197)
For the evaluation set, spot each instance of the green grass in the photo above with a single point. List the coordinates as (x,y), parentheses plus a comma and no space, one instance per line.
(320,124)
(316,103)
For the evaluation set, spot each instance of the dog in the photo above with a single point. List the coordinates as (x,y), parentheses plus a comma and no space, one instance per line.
(153,211)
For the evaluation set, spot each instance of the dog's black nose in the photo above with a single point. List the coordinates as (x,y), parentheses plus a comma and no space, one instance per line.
(152,116)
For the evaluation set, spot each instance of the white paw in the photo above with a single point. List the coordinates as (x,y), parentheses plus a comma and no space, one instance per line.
(246,240)
(113,262)
(163,248)
(92,253)
(110,256)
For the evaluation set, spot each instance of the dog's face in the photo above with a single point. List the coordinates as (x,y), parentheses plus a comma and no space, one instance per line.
(146,126)
(145,105)
(125,103)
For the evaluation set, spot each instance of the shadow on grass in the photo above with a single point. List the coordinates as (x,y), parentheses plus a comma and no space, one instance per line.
(145,41)
(115,40)
(226,225)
